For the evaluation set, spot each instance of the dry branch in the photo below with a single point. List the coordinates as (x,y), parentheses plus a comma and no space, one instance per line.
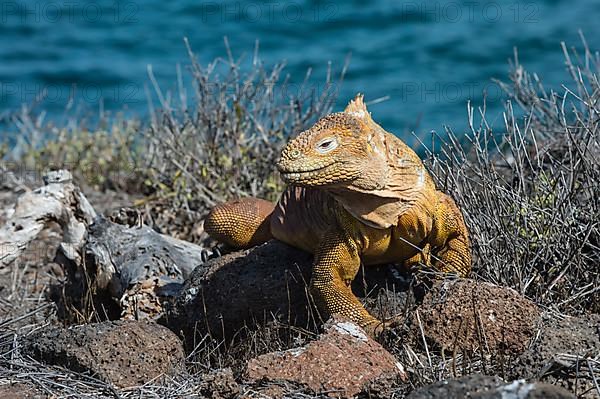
(137,266)
(58,201)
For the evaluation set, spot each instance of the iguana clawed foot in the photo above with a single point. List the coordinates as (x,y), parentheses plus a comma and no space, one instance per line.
(376,327)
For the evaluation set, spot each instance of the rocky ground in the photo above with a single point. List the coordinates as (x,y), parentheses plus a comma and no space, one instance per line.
(243,326)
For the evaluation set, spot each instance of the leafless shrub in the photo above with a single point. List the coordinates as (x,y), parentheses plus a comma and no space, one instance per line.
(531,194)
(227,143)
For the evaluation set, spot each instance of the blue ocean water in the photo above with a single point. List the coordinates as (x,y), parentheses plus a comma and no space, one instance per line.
(428,58)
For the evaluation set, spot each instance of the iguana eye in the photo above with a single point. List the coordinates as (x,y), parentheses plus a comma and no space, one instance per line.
(327,144)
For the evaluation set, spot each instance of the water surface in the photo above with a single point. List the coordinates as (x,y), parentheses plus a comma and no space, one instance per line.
(428,57)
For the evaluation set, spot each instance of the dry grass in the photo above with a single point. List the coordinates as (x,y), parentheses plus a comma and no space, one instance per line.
(531,195)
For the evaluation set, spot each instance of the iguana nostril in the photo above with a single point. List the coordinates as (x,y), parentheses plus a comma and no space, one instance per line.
(294,154)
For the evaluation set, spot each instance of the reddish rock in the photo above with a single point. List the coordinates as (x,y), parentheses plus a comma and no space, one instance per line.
(242,289)
(465,315)
(124,353)
(341,363)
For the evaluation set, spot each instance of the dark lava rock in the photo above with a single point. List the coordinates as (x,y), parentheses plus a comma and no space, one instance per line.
(124,353)
(458,388)
(341,363)
(465,315)
(485,387)
(243,288)
(255,286)
(559,354)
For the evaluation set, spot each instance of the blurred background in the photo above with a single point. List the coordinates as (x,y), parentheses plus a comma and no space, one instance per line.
(419,62)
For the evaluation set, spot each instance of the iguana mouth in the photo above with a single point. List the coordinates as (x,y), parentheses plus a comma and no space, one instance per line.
(300,170)
(304,174)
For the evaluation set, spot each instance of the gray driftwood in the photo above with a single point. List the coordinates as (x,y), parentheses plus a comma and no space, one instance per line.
(133,266)
(138,266)
(58,201)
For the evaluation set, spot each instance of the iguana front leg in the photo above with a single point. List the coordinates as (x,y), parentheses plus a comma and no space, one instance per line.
(449,239)
(337,262)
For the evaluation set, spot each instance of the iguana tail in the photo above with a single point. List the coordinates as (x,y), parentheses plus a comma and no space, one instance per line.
(240,223)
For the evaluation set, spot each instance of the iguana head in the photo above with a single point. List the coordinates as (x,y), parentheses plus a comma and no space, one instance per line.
(341,150)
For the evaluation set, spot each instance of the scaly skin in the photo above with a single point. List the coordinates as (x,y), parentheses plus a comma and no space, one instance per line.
(355,194)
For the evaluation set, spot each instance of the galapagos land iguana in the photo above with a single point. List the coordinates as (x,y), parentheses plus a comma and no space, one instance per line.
(356,193)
